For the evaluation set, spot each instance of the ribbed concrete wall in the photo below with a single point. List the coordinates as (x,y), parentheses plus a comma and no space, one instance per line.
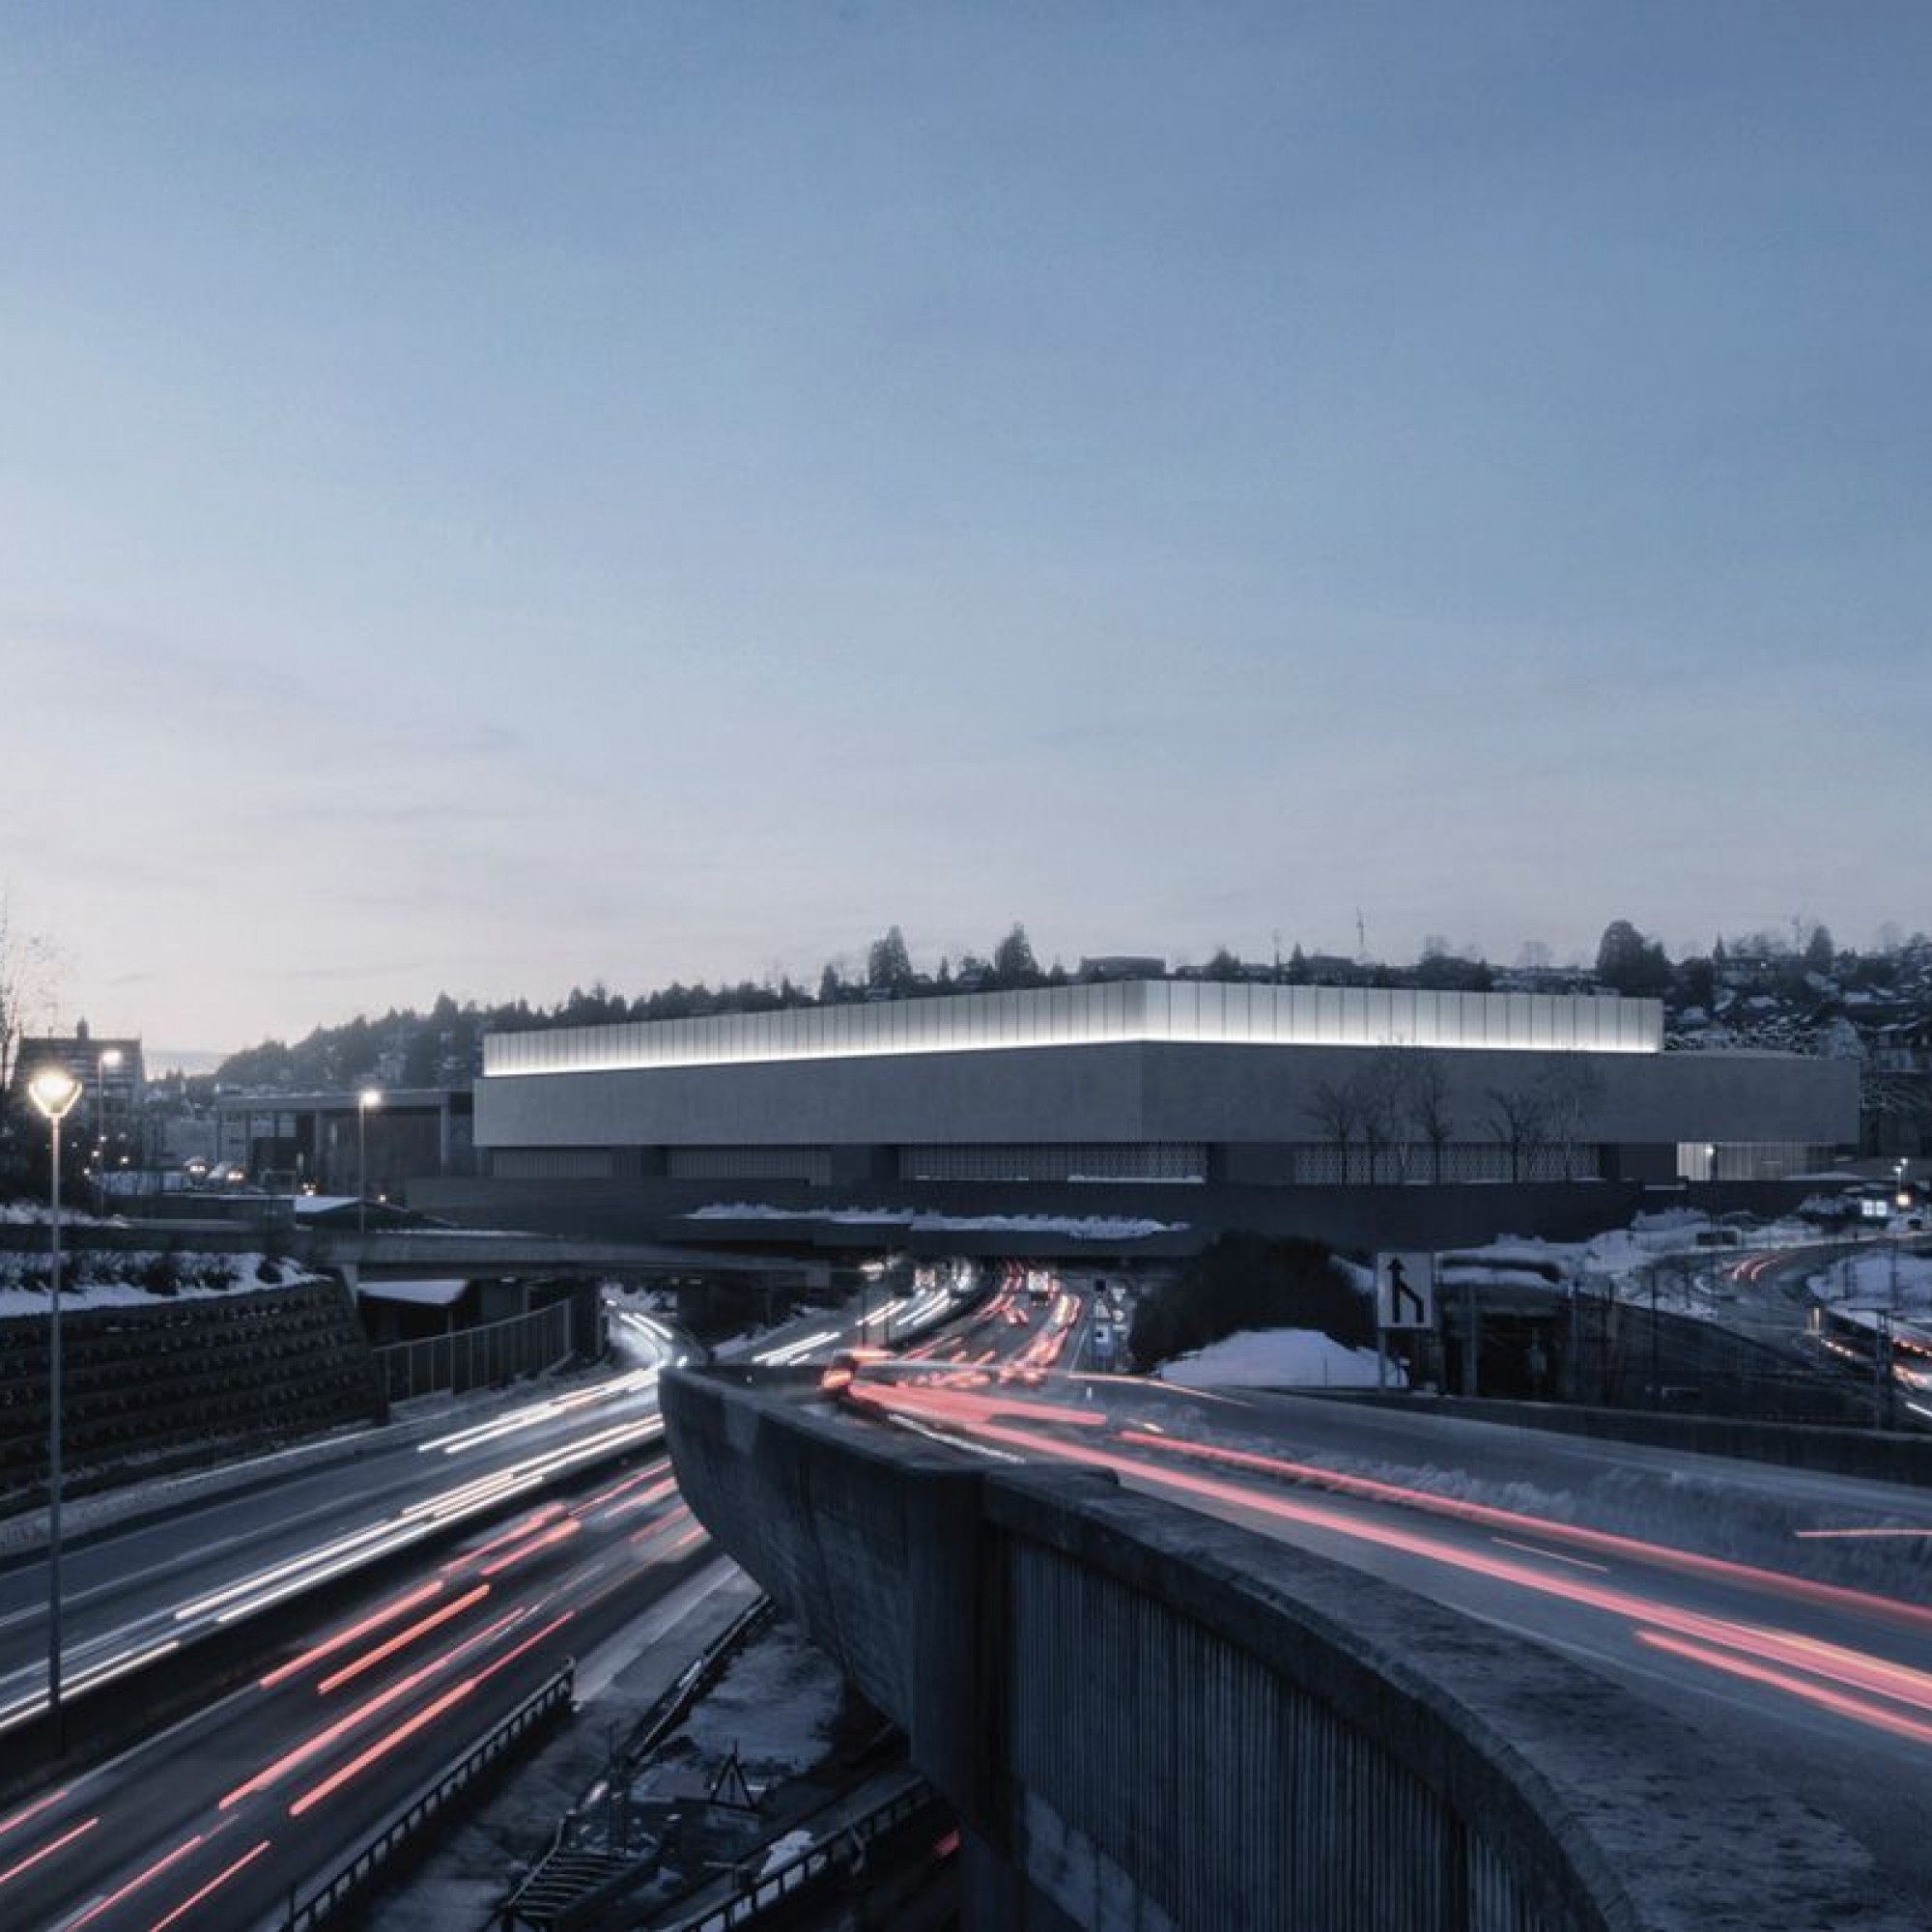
(1155,1719)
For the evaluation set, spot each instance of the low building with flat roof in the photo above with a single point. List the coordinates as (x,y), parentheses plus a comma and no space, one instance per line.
(1141,1091)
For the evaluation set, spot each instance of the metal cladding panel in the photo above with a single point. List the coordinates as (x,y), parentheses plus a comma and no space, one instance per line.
(1234,1095)
(1179,1011)
(1087,1094)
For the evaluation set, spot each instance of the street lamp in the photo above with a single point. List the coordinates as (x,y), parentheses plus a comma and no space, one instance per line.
(370,1096)
(54,1091)
(109,1056)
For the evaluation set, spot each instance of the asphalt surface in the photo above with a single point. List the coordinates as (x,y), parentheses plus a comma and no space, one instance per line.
(1787,1615)
(391,1604)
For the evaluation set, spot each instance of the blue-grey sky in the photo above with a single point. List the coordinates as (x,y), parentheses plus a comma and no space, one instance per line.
(496,497)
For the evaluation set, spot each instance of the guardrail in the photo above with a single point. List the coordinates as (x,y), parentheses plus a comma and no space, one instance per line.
(352,1877)
(480,1358)
(529,1903)
(837,1854)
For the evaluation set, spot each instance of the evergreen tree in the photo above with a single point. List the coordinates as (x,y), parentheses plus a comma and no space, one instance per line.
(1630,963)
(1013,962)
(889,965)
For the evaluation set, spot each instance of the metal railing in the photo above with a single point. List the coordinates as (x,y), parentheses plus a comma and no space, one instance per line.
(480,1358)
(839,1853)
(349,1879)
(671,1708)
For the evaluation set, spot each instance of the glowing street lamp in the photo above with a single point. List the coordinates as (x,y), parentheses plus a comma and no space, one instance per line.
(108,1058)
(370,1096)
(54,1091)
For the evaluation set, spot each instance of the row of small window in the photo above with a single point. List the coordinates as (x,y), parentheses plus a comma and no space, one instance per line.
(1061,1161)
(1312,1165)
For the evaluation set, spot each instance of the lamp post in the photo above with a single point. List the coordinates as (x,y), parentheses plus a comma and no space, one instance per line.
(1900,1201)
(370,1096)
(55,1093)
(108,1056)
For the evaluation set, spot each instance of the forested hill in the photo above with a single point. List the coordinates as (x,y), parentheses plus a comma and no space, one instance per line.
(1759,989)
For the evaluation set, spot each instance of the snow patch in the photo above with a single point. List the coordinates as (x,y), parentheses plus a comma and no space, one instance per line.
(1278,1358)
(1081,1227)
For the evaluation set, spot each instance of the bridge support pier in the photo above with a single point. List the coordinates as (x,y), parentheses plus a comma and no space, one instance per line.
(997,1897)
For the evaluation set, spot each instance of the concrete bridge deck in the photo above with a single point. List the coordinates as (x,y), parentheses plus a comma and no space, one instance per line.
(1150,1718)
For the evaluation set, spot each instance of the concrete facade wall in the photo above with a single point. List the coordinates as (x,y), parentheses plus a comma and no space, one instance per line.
(1155,1720)
(1353,1217)
(1144,1090)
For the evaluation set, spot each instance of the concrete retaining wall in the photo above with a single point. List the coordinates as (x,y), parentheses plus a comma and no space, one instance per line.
(179,1383)
(1150,1718)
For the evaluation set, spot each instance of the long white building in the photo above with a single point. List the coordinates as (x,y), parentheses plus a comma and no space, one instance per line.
(1143,1084)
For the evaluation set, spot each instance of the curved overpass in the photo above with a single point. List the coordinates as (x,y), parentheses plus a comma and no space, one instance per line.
(1146,1718)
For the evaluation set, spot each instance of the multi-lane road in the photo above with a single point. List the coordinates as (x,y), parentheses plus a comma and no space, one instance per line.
(329,1635)
(460,1566)
(1789,1615)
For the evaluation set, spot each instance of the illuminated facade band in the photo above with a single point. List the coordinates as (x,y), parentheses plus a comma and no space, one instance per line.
(1200,1012)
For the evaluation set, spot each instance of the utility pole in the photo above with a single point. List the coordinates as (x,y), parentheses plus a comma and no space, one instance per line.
(1472,1340)
(1656,1402)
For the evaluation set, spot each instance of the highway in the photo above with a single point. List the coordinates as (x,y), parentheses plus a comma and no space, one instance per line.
(135,1596)
(390,1603)
(1787,1615)
(220,1819)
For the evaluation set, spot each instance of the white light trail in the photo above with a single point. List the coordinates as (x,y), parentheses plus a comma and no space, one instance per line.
(793,1352)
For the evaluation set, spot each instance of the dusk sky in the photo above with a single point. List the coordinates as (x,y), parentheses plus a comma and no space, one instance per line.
(500,497)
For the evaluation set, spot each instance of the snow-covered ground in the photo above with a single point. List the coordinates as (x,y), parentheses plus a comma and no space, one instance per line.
(1080,1227)
(1659,1252)
(1884,1276)
(96,1280)
(1278,1358)
(776,1706)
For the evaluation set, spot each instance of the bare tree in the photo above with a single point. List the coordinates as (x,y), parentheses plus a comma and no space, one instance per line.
(1378,1086)
(26,960)
(1425,1103)
(1336,1109)
(1517,1121)
(1569,1089)
(1892,1105)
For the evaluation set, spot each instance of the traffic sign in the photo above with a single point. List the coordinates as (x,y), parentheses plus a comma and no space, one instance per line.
(1406,1290)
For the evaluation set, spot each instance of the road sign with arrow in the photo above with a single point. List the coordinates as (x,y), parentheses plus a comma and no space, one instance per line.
(1406,1291)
